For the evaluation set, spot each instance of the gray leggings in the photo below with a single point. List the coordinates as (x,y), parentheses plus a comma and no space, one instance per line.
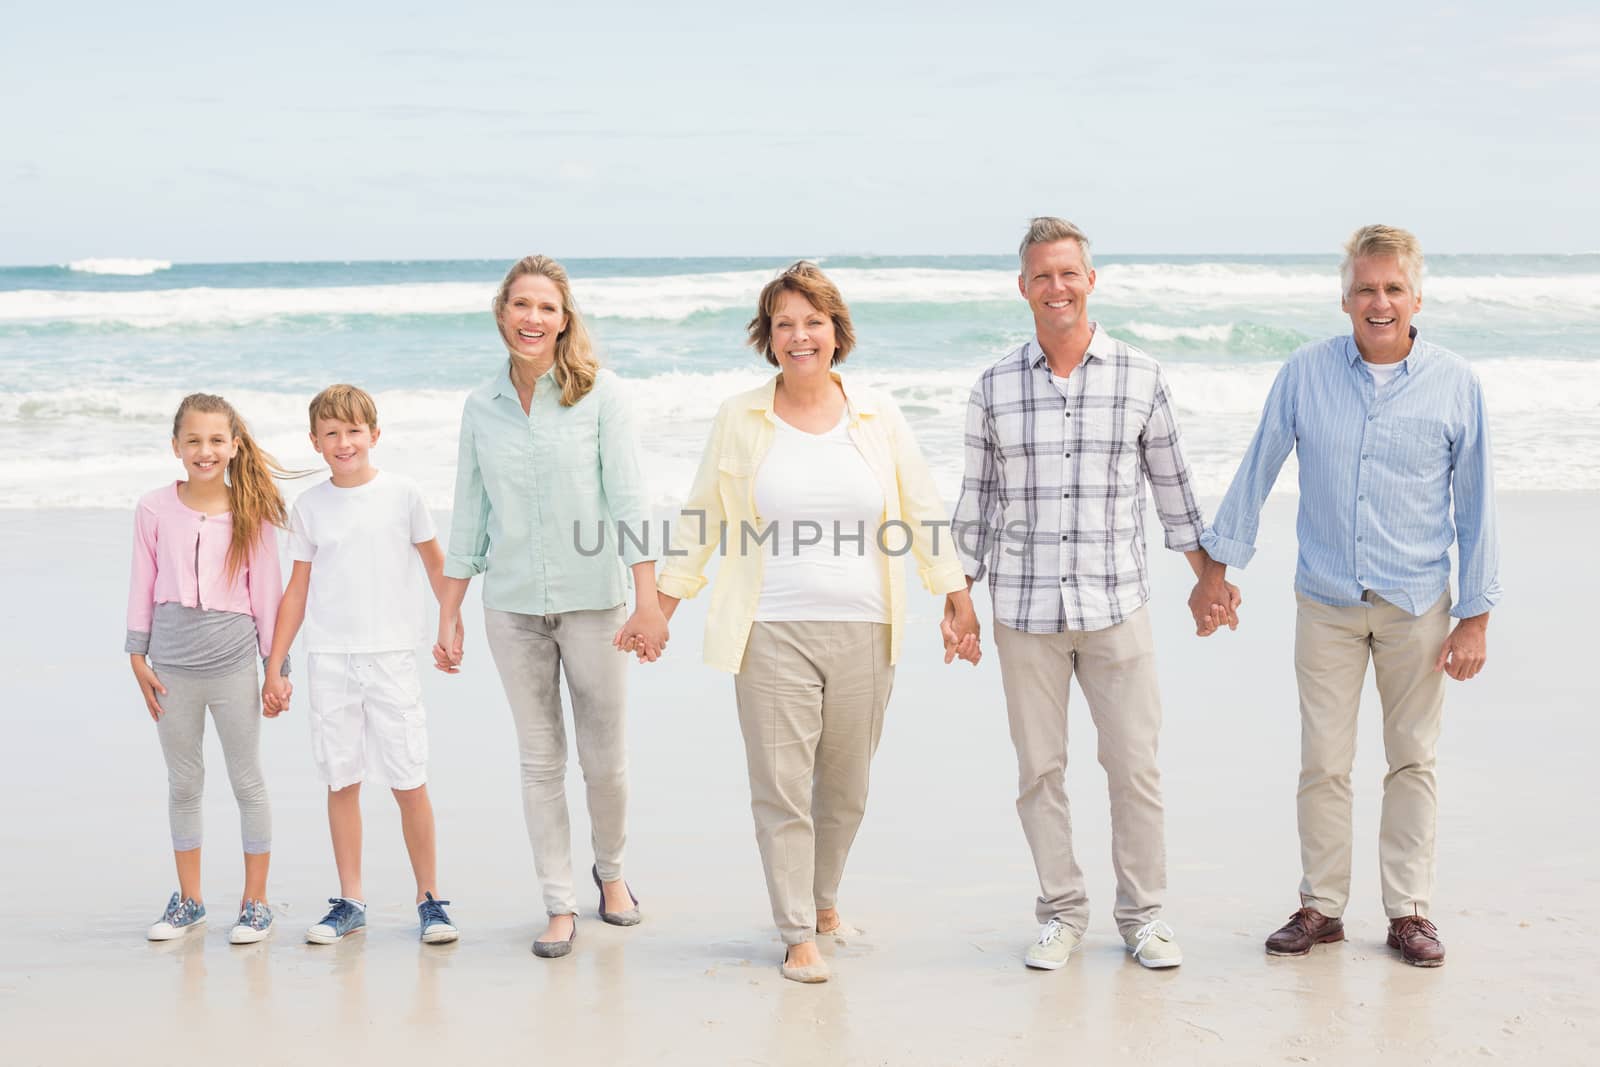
(235,704)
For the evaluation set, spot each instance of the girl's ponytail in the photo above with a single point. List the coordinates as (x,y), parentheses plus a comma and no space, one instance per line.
(253,497)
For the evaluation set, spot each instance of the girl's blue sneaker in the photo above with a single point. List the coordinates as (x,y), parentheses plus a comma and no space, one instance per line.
(345,917)
(180,917)
(436,926)
(255,923)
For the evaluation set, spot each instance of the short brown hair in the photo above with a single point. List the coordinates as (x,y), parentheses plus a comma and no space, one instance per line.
(807,279)
(346,403)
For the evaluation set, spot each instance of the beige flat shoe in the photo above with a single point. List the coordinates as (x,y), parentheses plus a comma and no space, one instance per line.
(810,974)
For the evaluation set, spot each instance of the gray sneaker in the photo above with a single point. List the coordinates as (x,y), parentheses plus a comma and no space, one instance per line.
(345,917)
(255,923)
(180,917)
(1155,945)
(1053,948)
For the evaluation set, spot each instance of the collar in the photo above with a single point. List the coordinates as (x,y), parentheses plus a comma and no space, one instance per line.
(1100,348)
(1417,355)
(861,404)
(504,386)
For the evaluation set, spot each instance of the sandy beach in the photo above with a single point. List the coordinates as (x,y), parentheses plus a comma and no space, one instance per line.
(940,879)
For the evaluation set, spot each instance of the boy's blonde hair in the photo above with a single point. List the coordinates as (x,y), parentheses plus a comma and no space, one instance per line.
(346,403)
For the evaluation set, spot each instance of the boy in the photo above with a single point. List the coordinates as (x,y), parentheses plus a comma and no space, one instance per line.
(351,539)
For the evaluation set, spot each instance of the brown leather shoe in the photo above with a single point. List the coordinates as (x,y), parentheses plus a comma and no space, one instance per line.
(1305,928)
(1418,941)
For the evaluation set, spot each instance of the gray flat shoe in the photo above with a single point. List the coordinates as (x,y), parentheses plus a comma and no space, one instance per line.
(551,950)
(626,917)
(810,974)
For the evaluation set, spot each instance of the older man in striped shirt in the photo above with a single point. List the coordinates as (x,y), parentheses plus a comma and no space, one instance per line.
(1389,430)
(1062,435)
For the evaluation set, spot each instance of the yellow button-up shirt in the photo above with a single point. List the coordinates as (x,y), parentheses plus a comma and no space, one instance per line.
(723,499)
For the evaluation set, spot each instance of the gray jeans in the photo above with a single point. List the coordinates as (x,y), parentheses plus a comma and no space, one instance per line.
(531,651)
(235,703)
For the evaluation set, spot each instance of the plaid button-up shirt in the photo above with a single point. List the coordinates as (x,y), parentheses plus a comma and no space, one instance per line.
(1052,499)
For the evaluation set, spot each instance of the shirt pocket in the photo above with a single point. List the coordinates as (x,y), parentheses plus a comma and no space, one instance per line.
(1419,447)
(576,443)
(735,477)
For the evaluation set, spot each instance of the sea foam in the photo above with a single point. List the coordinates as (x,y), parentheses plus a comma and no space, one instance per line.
(119,266)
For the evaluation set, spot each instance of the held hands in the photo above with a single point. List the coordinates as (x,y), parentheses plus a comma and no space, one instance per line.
(960,629)
(644,634)
(447,650)
(1214,601)
(149,686)
(1465,650)
(275,696)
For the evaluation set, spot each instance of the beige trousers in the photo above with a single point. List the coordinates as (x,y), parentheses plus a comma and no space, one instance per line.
(1116,669)
(811,699)
(531,652)
(1331,648)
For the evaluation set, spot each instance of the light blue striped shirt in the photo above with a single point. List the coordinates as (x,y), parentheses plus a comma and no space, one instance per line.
(1377,474)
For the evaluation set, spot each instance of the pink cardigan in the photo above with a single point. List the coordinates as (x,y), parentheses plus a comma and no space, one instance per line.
(181,555)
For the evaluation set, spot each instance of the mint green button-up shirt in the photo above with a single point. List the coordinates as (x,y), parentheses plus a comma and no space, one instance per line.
(540,496)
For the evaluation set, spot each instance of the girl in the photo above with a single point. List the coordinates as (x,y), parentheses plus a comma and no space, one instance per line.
(204,597)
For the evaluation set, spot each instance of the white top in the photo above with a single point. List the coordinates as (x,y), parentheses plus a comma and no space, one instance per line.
(818,493)
(366,578)
(1383,373)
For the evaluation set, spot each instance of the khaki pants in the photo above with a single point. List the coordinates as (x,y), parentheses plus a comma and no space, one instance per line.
(1331,649)
(531,652)
(811,700)
(1116,670)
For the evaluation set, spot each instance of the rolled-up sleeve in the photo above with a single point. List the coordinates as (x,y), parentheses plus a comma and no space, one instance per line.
(698,530)
(1472,487)
(972,524)
(468,554)
(938,566)
(620,477)
(1172,486)
(1231,538)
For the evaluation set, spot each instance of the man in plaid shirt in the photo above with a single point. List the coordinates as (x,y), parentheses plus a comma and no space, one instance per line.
(1062,435)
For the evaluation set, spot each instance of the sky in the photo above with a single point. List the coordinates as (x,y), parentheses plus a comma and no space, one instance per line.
(202,132)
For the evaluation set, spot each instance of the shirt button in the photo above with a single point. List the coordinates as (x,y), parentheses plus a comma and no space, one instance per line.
(1063,537)
(1363,496)
(1066,496)
(1069,414)
(1361,577)
(1063,578)
(1069,455)
(1365,455)
(1360,539)
(1371,417)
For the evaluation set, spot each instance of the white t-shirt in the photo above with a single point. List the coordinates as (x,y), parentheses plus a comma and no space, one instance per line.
(366,578)
(1383,373)
(808,481)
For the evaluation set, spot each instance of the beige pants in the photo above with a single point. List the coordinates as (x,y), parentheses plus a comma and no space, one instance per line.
(1116,669)
(1331,648)
(531,652)
(811,700)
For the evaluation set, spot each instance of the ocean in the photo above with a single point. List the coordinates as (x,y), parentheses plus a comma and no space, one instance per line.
(95,354)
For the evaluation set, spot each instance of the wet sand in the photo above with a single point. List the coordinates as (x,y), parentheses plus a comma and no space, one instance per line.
(940,878)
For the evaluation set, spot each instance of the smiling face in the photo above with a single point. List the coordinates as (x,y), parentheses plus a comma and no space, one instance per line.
(344,446)
(533,318)
(1056,284)
(802,337)
(206,445)
(1380,303)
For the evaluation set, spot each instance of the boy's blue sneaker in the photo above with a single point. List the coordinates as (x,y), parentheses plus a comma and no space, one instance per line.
(180,917)
(345,917)
(255,923)
(436,926)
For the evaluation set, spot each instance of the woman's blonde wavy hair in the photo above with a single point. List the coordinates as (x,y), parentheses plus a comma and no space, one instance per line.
(253,497)
(575,365)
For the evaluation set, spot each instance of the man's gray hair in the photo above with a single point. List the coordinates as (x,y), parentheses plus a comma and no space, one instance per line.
(1382,241)
(1047,229)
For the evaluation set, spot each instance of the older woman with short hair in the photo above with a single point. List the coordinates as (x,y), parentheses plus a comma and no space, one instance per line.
(819,484)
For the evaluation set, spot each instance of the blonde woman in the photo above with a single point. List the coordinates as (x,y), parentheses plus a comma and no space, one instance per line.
(810,624)
(547,453)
